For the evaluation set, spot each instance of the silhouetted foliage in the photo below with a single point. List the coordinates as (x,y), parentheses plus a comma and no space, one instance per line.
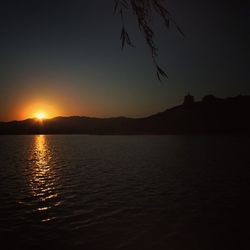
(143,10)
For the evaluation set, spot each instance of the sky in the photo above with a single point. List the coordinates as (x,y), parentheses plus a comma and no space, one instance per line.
(65,58)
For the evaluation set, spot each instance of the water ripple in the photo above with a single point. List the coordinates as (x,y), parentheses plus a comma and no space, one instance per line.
(146,192)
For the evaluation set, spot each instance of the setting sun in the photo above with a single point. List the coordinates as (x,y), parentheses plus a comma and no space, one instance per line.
(40,115)
(39,110)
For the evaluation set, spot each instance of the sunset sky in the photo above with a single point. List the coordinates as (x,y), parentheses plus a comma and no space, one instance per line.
(64,58)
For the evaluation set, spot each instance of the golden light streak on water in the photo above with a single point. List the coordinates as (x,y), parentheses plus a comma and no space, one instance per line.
(43,177)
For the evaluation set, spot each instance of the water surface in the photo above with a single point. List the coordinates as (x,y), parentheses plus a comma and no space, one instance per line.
(124,192)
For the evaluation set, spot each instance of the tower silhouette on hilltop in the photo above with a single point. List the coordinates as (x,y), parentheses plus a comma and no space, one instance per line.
(188,100)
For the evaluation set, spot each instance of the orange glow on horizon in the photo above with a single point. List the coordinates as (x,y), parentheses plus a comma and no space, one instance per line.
(38,110)
(31,108)
(41,115)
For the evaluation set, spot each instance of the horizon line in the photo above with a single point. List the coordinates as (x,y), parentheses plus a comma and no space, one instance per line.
(121,116)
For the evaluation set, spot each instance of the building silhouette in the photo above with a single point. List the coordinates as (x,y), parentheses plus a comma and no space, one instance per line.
(188,100)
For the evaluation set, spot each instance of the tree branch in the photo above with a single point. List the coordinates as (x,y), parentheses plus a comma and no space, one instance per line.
(143,10)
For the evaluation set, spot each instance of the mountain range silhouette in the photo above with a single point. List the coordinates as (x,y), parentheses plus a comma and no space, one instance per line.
(211,115)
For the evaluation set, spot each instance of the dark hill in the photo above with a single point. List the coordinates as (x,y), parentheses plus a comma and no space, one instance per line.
(210,116)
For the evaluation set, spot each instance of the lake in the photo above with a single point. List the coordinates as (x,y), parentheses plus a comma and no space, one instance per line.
(124,192)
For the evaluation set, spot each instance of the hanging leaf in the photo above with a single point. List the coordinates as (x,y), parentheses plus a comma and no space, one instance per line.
(143,12)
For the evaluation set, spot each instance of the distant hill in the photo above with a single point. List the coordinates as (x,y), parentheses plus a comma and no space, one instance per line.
(210,116)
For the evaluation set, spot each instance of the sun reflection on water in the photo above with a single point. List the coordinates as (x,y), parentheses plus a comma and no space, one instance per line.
(43,178)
